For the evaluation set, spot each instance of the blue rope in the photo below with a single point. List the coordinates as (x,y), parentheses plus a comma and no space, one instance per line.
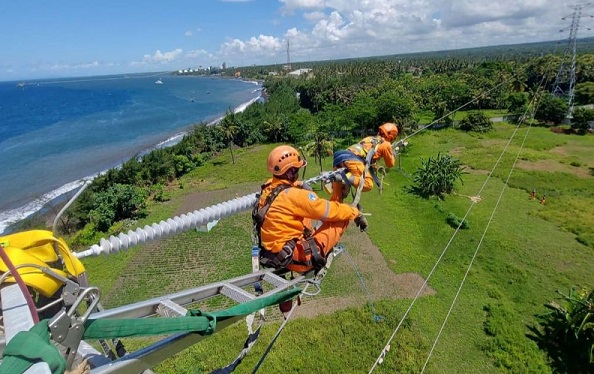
(376,317)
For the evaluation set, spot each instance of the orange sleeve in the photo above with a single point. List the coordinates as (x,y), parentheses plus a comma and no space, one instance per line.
(307,204)
(385,151)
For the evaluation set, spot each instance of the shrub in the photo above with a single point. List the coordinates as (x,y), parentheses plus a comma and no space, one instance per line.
(159,193)
(477,122)
(118,202)
(437,176)
(87,236)
(454,221)
(551,109)
(581,117)
(567,331)
(182,165)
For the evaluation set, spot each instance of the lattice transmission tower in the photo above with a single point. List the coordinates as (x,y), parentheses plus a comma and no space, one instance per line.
(288,65)
(565,80)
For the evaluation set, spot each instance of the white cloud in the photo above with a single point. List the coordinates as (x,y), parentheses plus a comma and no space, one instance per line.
(189,33)
(261,45)
(76,66)
(196,54)
(464,13)
(349,28)
(292,5)
(162,58)
(314,16)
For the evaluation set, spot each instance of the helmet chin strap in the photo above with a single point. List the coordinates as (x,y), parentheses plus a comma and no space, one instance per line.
(292,175)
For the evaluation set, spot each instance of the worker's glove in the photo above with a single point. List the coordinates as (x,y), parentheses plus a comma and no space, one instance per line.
(338,178)
(344,178)
(361,222)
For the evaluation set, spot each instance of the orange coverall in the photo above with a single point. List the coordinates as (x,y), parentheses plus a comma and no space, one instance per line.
(291,213)
(356,167)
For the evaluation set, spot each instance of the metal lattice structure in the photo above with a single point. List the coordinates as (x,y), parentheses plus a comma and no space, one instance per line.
(288,64)
(565,79)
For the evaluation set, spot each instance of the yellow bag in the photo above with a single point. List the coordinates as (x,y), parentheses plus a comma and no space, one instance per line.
(41,248)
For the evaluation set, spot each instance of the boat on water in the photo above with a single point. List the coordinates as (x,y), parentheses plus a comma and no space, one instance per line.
(21,84)
(158,81)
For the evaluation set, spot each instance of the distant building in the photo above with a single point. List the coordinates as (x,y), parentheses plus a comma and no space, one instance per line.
(299,72)
(237,74)
(224,66)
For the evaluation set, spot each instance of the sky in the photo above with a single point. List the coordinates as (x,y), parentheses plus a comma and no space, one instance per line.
(72,38)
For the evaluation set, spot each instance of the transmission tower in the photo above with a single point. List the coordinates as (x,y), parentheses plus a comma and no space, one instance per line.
(565,80)
(288,65)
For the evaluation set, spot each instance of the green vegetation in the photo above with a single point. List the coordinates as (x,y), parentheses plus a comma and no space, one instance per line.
(568,332)
(437,176)
(530,250)
(581,117)
(525,258)
(455,221)
(551,109)
(477,122)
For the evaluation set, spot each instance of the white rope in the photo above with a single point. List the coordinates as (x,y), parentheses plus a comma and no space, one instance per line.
(280,329)
(481,240)
(386,348)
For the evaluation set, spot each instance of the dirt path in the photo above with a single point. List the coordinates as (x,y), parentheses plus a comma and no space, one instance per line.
(380,280)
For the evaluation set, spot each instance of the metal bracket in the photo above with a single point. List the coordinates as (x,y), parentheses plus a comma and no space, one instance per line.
(67,329)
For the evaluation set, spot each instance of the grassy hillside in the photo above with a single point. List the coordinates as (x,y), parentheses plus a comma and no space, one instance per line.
(528,252)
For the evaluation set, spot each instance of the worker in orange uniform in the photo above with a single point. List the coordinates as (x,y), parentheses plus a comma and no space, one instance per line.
(353,160)
(283,214)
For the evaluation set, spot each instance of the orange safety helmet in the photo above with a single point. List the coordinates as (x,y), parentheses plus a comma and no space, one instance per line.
(388,131)
(282,158)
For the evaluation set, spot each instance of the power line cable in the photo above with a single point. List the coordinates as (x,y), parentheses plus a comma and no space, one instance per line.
(387,346)
(376,317)
(481,240)
(457,109)
(278,332)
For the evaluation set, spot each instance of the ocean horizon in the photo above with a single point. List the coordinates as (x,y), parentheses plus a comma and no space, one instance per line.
(57,133)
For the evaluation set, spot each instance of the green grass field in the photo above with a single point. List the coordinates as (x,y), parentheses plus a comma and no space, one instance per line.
(528,252)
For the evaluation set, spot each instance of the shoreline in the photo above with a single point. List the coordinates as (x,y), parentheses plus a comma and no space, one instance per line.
(42,206)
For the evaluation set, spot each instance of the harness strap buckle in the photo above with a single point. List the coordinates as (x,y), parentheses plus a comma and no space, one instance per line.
(279,259)
(310,246)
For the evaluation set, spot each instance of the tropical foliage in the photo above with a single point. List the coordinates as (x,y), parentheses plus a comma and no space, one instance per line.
(437,175)
(477,122)
(341,102)
(552,109)
(567,331)
(581,120)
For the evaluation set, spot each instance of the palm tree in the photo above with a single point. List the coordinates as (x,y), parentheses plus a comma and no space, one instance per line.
(229,128)
(320,147)
(274,128)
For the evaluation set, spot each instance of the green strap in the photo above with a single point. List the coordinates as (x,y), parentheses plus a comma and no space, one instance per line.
(29,347)
(195,320)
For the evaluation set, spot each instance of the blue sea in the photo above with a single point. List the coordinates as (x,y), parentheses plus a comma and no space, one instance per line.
(56,133)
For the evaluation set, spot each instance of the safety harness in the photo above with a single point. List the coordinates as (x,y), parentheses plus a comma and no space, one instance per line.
(284,257)
(359,152)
